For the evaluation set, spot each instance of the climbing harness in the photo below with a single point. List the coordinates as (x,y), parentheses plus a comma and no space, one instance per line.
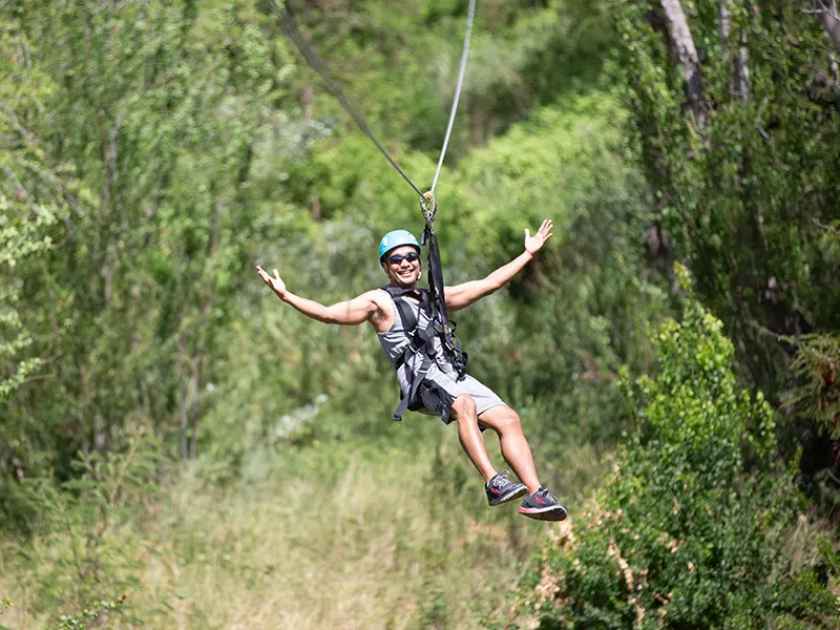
(421,353)
(432,300)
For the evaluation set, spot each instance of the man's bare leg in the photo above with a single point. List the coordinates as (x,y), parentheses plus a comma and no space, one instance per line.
(506,423)
(470,436)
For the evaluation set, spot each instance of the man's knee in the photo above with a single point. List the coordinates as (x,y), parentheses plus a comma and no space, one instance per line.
(502,419)
(464,407)
(512,418)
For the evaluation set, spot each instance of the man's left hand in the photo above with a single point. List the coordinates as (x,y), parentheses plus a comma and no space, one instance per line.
(534,243)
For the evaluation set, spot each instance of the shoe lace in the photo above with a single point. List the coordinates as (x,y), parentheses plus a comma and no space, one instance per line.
(499,481)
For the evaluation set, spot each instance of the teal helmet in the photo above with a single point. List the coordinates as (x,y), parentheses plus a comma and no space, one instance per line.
(396,238)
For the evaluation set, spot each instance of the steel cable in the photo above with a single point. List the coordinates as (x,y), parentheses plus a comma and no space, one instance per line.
(465,53)
(289,26)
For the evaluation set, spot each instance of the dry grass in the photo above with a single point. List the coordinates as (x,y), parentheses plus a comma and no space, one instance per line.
(384,544)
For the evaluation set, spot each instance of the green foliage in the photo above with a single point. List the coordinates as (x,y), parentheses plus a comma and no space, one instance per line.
(813,398)
(100,613)
(400,65)
(153,151)
(174,146)
(749,192)
(33,198)
(688,531)
(24,214)
(816,368)
(21,235)
(580,310)
(137,124)
(80,558)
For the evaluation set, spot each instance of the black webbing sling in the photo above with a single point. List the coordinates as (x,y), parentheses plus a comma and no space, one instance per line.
(444,328)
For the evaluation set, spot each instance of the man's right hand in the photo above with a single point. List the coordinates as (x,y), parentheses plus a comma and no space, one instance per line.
(276,284)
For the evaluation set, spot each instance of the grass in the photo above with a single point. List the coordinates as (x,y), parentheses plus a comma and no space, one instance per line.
(348,534)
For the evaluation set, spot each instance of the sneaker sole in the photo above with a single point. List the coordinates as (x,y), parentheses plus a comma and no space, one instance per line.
(510,496)
(553,513)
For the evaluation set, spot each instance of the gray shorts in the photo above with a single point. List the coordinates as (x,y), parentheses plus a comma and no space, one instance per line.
(484,397)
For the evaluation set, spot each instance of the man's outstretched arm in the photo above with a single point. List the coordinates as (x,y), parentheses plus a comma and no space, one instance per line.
(462,295)
(349,312)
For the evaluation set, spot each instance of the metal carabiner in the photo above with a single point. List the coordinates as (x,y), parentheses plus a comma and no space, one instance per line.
(428,205)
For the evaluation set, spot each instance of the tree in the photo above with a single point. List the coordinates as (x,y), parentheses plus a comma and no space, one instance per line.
(133,135)
(748,193)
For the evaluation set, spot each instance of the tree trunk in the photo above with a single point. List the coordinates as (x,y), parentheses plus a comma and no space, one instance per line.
(740,84)
(682,46)
(830,19)
(725,19)
(742,70)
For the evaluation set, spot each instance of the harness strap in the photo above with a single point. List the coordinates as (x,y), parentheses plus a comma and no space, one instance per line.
(420,343)
(444,327)
(409,401)
(409,319)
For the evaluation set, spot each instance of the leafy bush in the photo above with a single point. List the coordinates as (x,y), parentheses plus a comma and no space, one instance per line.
(817,370)
(813,401)
(80,557)
(689,530)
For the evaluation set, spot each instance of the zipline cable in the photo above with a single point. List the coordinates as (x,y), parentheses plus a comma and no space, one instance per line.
(465,53)
(289,26)
(427,200)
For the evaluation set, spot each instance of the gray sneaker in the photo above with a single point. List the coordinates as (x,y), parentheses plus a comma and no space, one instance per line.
(500,489)
(542,506)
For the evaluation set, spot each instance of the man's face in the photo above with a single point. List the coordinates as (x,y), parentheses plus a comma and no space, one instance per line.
(402,265)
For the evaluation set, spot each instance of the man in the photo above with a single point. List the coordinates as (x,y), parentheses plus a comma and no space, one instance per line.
(442,391)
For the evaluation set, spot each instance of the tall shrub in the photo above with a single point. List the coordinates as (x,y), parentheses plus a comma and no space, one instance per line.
(690,529)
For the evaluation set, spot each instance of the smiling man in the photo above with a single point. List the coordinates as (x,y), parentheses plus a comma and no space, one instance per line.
(429,382)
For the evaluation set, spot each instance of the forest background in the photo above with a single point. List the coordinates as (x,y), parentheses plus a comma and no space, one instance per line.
(179,449)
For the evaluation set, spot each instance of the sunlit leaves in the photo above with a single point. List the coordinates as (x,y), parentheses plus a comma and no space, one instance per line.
(683,535)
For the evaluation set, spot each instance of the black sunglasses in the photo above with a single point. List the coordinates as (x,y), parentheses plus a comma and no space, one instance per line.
(396,259)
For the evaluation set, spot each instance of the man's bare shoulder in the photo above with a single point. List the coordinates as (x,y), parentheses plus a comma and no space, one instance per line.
(378,296)
(383,318)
